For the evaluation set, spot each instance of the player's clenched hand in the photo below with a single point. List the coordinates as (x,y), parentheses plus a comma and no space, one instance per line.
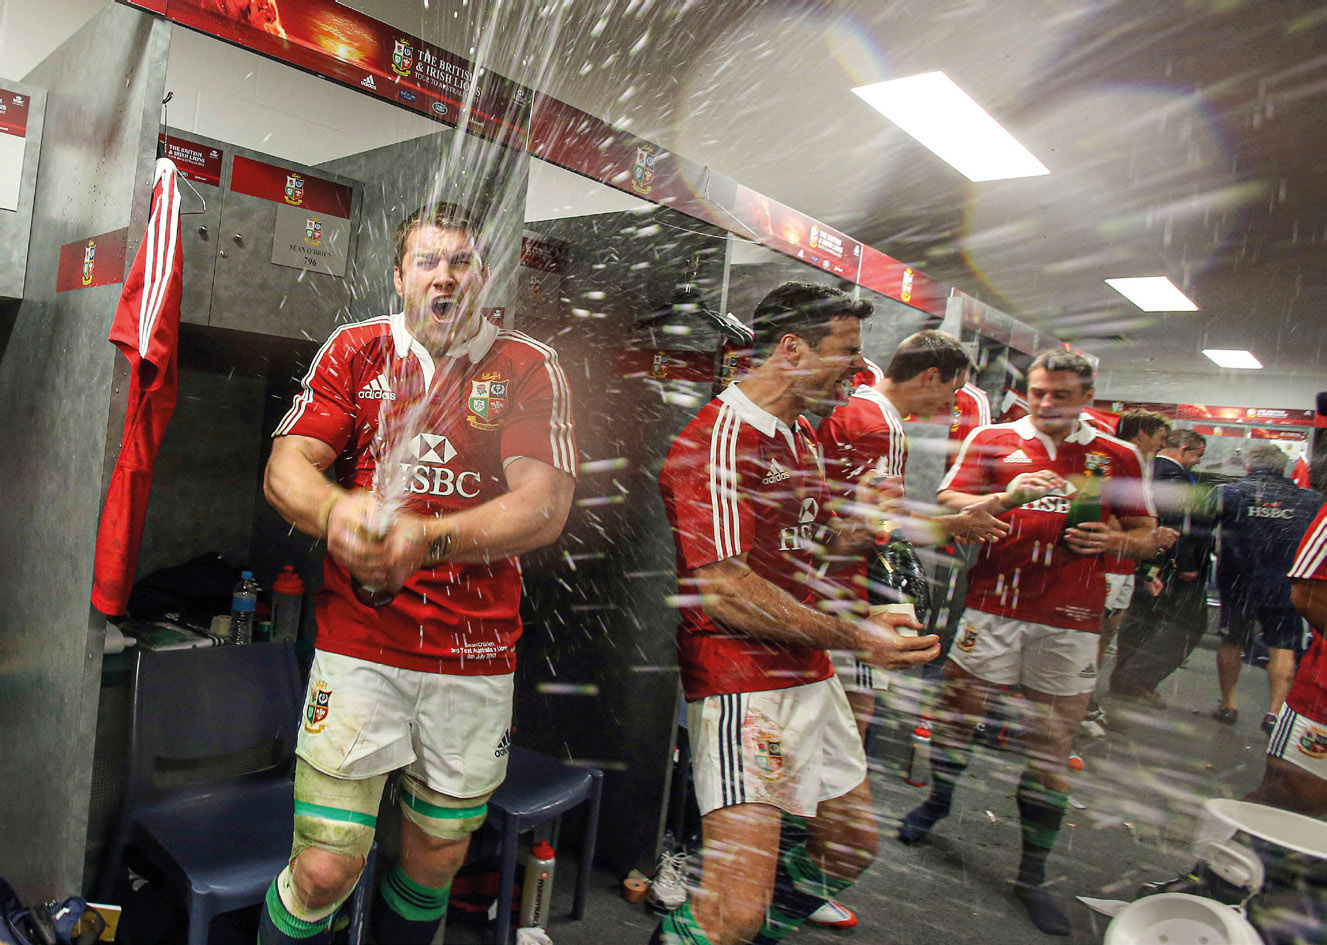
(355,539)
(1030,486)
(405,548)
(1164,538)
(1092,538)
(978,523)
(880,644)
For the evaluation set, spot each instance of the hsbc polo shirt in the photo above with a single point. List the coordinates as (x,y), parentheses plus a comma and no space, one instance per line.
(865,433)
(1308,693)
(449,429)
(1262,518)
(737,480)
(1031,574)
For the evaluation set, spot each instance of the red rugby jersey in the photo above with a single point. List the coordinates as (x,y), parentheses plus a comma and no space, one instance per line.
(1308,693)
(737,480)
(1107,422)
(1031,574)
(866,432)
(456,424)
(972,409)
(146,329)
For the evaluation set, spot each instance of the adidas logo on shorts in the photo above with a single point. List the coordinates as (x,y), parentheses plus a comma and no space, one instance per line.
(504,745)
(1088,672)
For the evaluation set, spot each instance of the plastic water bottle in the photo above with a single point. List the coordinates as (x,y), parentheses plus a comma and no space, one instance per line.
(919,758)
(287,605)
(243,600)
(537,889)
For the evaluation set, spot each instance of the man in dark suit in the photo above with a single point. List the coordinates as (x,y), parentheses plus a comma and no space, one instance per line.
(1160,632)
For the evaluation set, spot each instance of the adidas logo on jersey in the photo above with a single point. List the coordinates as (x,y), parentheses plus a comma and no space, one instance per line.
(1018,456)
(368,82)
(776,473)
(504,745)
(376,389)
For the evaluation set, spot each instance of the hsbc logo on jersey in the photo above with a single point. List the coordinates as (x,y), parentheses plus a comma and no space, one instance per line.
(800,536)
(431,475)
(1273,510)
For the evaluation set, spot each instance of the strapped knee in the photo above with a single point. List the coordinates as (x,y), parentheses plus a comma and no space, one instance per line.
(335,814)
(439,815)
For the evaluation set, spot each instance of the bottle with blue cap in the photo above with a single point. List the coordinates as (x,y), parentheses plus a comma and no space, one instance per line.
(243,601)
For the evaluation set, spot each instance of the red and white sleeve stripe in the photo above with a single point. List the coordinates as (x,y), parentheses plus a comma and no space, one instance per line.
(561,432)
(723,483)
(1311,559)
(162,242)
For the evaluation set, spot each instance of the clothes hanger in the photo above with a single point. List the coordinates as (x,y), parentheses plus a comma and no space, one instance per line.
(161,152)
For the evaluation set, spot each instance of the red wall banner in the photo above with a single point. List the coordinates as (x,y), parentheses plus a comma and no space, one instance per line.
(200,162)
(296,188)
(96,260)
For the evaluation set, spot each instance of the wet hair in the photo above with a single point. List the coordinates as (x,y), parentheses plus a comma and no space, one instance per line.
(448,216)
(1055,360)
(1137,420)
(1182,439)
(803,309)
(1266,456)
(928,349)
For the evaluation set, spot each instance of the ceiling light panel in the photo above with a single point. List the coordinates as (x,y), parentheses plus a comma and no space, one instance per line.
(1153,294)
(941,116)
(1227,358)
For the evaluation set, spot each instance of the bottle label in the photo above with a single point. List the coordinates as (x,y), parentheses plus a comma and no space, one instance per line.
(902,608)
(243,604)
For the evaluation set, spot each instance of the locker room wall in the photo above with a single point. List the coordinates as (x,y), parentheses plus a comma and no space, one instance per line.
(62,387)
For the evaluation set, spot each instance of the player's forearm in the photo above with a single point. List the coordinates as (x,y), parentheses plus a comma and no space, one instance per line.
(747,603)
(299,490)
(1138,541)
(509,525)
(1310,599)
(958,501)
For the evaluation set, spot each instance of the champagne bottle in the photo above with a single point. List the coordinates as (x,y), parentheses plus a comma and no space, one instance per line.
(896,583)
(1085,506)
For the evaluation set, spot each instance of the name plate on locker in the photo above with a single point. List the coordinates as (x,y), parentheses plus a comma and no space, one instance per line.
(306,239)
(312,214)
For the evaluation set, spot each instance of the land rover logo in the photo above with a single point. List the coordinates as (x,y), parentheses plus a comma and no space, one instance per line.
(439,108)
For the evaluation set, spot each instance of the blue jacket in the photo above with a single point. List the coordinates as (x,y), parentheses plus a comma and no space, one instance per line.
(1262,518)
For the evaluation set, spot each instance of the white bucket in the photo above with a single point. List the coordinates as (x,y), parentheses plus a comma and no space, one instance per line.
(1221,818)
(1179,919)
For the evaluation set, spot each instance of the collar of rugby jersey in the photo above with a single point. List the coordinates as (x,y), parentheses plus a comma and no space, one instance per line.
(474,347)
(758,417)
(1082,434)
(880,400)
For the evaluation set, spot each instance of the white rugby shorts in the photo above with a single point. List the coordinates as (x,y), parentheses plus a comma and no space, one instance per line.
(362,719)
(1301,741)
(857,676)
(789,748)
(1007,652)
(1119,592)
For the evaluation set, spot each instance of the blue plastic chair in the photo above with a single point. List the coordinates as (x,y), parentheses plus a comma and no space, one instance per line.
(538,789)
(208,793)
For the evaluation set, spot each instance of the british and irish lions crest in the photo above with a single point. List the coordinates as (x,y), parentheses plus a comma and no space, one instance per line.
(294,189)
(642,172)
(487,403)
(403,57)
(89,261)
(320,705)
(313,231)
